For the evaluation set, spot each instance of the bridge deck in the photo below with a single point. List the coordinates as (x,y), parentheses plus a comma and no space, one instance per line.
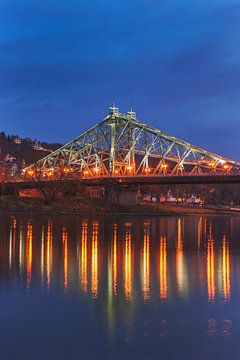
(134,180)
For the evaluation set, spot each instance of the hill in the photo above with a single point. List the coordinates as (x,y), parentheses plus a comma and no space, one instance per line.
(16,152)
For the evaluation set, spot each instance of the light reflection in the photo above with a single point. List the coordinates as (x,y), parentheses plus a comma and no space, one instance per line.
(94,282)
(29,254)
(114,260)
(226,269)
(65,257)
(49,253)
(128,261)
(42,255)
(211,267)
(146,263)
(158,273)
(181,273)
(163,268)
(84,279)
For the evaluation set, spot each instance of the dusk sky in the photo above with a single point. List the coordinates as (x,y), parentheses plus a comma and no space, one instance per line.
(176,61)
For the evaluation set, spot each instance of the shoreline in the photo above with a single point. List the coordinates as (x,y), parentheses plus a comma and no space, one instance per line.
(91,207)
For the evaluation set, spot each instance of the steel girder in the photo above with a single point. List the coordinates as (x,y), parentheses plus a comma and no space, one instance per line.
(121,145)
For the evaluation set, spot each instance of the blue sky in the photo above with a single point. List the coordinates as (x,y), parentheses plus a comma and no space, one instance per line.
(177,62)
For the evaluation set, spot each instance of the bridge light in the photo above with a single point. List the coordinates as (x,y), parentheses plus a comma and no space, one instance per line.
(211,164)
(30,172)
(147,170)
(96,170)
(49,173)
(85,172)
(129,168)
(66,170)
(164,166)
(227,167)
(116,172)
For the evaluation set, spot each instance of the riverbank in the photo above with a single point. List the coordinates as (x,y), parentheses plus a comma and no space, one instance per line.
(75,205)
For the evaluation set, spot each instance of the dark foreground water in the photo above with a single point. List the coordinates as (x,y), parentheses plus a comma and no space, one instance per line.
(119,288)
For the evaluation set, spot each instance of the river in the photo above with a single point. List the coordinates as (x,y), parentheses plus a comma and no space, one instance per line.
(74,287)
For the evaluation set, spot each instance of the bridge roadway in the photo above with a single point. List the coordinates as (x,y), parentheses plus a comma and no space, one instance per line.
(131,181)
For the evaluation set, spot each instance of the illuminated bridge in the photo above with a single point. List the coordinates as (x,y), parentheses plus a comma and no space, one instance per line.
(122,148)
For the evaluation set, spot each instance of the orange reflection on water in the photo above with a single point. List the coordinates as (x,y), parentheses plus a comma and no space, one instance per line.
(226,269)
(42,255)
(29,254)
(94,270)
(146,263)
(128,264)
(179,258)
(114,260)
(211,267)
(65,257)
(163,268)
(84,280)
(49,253)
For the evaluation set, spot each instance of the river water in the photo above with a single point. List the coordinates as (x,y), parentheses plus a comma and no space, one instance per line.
(74,287)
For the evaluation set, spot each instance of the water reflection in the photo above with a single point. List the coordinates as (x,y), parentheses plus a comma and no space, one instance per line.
(65,257)
(163,267)
(83,273)
(164,258)
(128,262)
(210,267)
(94,270)
(126,281)
(29,251)
(226,282)
(146,263)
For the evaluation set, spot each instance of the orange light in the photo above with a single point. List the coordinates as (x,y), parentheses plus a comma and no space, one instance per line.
(226,167)
(116,172)
(129,167)
(164,166)
(85,172)
(211,163)
(96,170)
(147,170)
(66,170)
(50,173)
(30,172)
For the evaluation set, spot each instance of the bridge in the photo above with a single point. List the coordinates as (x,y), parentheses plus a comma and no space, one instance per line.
(121,146)
(121,153)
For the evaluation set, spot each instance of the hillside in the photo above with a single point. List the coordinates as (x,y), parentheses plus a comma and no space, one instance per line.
(16,152)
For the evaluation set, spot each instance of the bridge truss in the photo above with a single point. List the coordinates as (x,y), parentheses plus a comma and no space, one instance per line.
(121,145)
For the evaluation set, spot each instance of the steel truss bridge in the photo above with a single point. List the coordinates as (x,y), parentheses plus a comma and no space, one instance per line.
(122,147)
